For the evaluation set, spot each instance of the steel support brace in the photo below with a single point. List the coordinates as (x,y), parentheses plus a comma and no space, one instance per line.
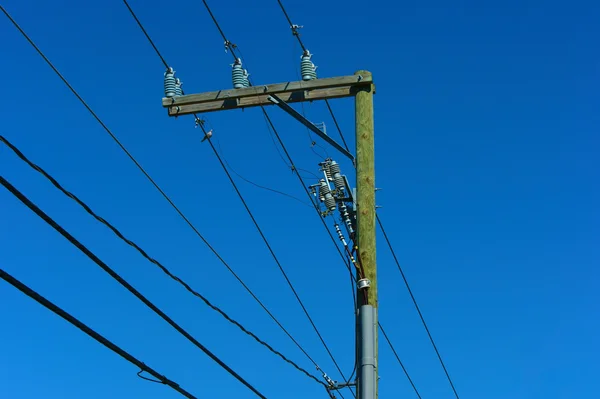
(287,108)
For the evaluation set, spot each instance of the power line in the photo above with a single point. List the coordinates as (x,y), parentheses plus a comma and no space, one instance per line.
(167,198)
(322,220)
(272,252)
(26,201)
(414,301)
(255,222)
(250,212)
(256,184)
(293,27)
(337,125)
(399,361)
(214,251)
(72,196)
(228,44)
(147,35)
(297,35)
(95,335)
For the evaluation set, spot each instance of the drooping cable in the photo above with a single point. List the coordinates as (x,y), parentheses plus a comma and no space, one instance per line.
(167,198)
(92,333)
(399,361)
(304,186)
(132,244)
(271,251)
(34,208)
(258,227)
(414,301)
(239,175)
(214,251)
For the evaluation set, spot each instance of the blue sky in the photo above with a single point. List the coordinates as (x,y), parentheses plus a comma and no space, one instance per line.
(487,143)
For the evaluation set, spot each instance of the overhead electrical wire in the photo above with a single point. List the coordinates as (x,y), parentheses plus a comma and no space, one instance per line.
(296,34)
(414,301)
(254,183)
(204,131)
(35,209)
(167,198)
(254,220)
(93,334)
(294,30)
(269,247)
(399,361)
(72,196)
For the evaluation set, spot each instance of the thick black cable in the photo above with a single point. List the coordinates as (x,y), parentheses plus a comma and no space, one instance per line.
(181,214)
(72,196)
(294,30)
(414,301)
(246,287)
(93,334)
(26,201)
(399,361)
(229,45)
(146,34)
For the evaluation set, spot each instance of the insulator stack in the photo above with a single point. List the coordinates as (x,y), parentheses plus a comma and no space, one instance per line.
(170,83)
(325,195)
(340,234)
(239,75)
(307,68)
(178,87)
(346,217)
(338,179)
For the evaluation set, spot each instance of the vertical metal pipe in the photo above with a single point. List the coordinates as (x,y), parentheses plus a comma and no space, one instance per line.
(368,363)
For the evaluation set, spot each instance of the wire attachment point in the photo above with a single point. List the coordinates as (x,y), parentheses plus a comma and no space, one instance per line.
(295,28)
(139,374)
(229,46)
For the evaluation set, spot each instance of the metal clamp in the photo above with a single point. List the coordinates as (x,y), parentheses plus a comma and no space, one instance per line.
(363,283)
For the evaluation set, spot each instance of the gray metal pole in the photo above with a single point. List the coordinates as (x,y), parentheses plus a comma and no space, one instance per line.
(368,363)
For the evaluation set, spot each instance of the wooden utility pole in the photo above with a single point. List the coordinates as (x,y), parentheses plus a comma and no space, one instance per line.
(365,206)
(365,183)
(360,85)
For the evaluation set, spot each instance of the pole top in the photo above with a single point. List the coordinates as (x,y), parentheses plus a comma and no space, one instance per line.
(363,73)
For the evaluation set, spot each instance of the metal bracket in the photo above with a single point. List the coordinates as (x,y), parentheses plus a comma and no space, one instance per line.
(337,386)
(287,108)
